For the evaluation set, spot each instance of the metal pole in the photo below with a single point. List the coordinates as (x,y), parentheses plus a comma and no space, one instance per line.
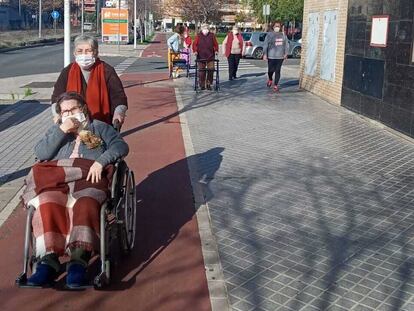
(40,18)
(82,20)
(119,25)
(98,11)
(145,19)
(66,42)
(135,24)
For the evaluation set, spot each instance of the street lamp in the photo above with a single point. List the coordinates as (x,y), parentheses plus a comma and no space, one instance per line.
(82,9)
(40,18)
(66,41)
(135,24)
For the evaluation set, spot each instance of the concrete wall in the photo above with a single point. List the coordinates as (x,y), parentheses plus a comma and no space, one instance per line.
(329,90)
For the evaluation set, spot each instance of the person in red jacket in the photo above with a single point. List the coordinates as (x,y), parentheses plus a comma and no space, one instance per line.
(205,48)
(187,42)
(233,50)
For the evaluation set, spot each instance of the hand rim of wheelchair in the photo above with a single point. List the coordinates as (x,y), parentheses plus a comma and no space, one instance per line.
(128,226)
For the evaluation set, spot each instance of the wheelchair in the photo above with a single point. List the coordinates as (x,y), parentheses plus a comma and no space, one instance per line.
(117,227)
(216,70)
(176,62)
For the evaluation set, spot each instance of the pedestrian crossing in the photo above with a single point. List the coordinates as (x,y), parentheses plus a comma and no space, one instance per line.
(121,67)
(243,65)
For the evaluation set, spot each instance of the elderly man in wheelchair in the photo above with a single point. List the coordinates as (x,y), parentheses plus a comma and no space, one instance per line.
(68,193)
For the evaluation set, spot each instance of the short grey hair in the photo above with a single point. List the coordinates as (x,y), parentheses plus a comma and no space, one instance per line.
(87,39)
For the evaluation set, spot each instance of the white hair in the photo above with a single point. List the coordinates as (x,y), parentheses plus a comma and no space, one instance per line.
(87,39)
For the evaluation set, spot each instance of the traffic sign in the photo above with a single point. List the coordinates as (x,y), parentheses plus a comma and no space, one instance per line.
(266,9)
(55,14)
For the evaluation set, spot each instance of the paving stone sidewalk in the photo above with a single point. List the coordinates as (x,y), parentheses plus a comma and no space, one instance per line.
(311,205)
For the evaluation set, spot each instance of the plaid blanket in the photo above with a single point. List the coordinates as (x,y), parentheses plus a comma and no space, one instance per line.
(67,206)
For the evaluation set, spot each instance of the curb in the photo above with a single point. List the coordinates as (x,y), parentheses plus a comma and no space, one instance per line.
(11,206)
(214,272)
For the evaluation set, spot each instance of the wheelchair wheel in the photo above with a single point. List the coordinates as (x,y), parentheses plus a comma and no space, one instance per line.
(129,214)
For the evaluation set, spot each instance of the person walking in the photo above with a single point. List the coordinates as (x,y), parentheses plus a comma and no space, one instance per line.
(276,49)
(233,50)
(175,42)
(205,47)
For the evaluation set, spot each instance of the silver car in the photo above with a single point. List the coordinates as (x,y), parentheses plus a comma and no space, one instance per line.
(254,42)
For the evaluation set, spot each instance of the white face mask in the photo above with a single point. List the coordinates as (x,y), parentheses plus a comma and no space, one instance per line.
(205,32)
(235,32)
(80,116)
(276,29)
(85,61)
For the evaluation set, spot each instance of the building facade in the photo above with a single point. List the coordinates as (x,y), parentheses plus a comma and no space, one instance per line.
(379,80)
(359,54)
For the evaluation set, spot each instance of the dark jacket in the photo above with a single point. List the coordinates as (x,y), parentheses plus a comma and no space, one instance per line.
(205,46)
(113,83)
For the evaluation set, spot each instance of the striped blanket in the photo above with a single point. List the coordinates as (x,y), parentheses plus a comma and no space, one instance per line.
(66,205)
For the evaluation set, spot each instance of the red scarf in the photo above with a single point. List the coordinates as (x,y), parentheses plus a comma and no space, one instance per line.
(229,44)
(96,95)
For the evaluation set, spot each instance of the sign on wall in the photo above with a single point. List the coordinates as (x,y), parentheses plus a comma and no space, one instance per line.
(379,30)
(312,39)
(329,43)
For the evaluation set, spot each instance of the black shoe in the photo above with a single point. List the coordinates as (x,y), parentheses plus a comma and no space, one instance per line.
(203,88)
(209,87)
(231,79)
(235,77)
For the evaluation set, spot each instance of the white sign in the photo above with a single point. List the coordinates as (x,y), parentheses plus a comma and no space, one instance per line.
(312,40)
(379,30)
(266,9)
(328,55)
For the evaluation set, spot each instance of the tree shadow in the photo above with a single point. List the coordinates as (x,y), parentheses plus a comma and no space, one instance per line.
(20,112)
(165,205)
(329,222)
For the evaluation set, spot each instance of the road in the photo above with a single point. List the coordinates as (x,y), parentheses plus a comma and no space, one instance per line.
(38,60)
(49,59)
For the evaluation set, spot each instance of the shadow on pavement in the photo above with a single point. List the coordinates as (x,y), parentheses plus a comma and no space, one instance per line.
(165,205)
(15,175)
(20,112)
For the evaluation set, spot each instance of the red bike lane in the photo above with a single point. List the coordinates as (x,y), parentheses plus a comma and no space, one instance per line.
(165,271)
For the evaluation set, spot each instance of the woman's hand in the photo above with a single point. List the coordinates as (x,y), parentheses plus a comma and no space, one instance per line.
(120,117)
(95,172)
(71,125)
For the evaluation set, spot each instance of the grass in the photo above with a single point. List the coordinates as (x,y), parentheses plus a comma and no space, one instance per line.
(148,40)
(16,38)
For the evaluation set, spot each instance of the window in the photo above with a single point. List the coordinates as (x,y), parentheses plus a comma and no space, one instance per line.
(262,37)
(246,36)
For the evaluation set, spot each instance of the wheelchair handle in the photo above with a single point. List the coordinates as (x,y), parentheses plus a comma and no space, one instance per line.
(117,125)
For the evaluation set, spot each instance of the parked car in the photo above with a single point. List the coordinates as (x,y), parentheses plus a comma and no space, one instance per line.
(254,42)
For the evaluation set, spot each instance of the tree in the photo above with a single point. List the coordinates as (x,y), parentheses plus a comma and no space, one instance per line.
(194,10)
(289,10)
(282,10)
(47,5)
